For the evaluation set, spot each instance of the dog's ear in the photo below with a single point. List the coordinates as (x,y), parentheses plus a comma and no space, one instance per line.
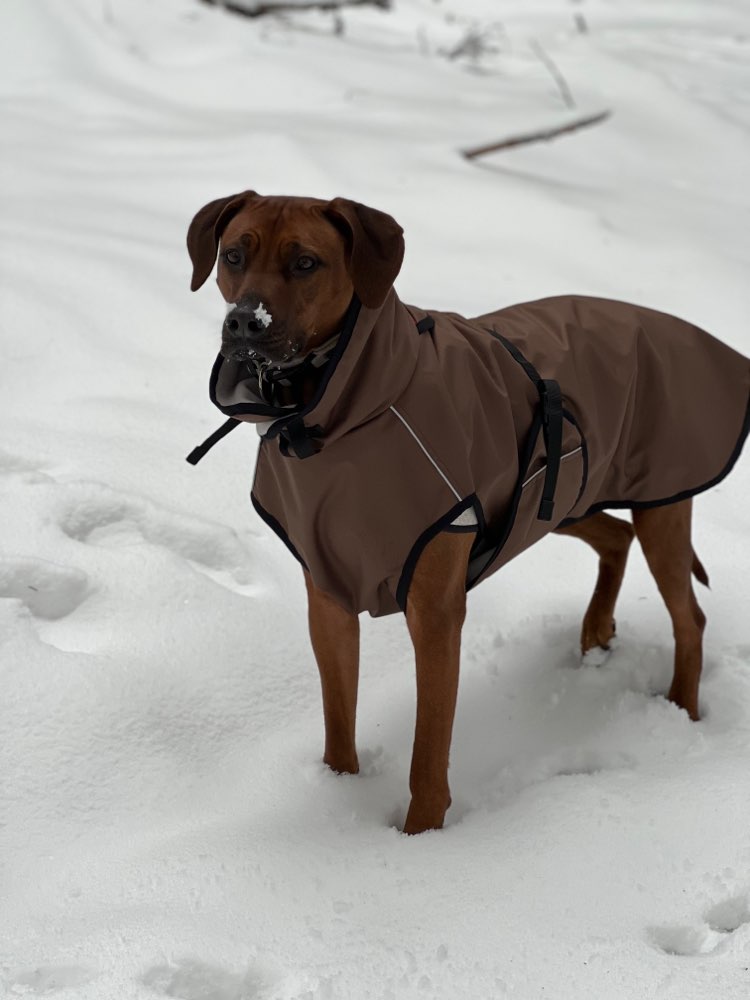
(374,244)
(205,231)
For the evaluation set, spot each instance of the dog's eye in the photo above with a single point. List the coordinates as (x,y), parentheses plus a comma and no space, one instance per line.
(233,257)
(305,263)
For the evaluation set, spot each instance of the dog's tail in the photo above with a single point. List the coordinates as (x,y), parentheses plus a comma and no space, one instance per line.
(699,572)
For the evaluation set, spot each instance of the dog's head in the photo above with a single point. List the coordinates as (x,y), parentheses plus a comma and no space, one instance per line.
(288,267)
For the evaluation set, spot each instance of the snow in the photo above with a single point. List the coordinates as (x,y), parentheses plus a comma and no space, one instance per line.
(166,826)
(263,315)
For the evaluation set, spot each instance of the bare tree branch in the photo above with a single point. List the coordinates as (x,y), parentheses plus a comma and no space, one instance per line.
(540,136)
(562,83)
(252,9)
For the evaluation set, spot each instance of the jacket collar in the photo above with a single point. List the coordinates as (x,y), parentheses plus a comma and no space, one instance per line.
(368,368)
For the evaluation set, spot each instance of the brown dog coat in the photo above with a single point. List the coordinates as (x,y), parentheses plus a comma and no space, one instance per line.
(530,417)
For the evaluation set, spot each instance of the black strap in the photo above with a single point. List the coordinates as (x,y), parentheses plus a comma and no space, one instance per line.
(299,437)
(552,418)
(197,453)
(550,398)
(427,323)
(289,377)
(511,348)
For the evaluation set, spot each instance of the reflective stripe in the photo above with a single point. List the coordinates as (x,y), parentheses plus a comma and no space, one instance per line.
(455,493)
(544,467)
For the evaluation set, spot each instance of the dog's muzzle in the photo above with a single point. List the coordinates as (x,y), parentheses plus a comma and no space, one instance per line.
(246,330)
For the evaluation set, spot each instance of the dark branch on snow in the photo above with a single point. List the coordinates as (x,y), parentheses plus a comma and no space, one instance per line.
(251,9)
(554,71)
(541,136)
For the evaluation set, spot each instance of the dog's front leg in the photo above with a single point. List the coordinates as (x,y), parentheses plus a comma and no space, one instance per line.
(435,612)
(334,634)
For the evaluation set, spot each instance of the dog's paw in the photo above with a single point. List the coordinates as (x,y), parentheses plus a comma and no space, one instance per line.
(597,656)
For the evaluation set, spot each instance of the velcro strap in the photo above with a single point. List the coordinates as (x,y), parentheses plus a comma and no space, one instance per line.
(550,399)
(197,453)
(552,418)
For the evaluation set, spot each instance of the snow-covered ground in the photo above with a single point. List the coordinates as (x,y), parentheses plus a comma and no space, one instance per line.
(166,826)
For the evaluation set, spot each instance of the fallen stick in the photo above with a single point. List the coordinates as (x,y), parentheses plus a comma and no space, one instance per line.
(261,9)
(554,71)
(541,136)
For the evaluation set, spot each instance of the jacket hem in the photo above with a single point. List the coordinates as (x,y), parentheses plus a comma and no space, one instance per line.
(675,498)
(274,525)
(442,523)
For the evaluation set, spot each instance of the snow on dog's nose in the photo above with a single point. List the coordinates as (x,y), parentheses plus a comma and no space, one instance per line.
(247,321)
(245,327)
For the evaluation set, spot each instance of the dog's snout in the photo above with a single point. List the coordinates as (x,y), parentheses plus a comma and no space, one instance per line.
(248,330)
(243,322)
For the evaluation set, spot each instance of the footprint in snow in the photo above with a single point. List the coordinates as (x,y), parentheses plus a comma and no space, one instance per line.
(46,979)
(729,915)
(10,463)
(719,923)
(48,589)
(583,761)
(191,979)
(98,515)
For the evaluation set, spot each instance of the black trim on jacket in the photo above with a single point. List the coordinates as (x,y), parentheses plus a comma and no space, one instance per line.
(274,525)
(402,590)
(492,541)
(683,495)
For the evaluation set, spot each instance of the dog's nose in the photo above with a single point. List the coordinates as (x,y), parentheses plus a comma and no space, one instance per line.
(245,322)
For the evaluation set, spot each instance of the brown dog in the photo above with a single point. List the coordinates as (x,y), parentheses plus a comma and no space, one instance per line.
(289,269)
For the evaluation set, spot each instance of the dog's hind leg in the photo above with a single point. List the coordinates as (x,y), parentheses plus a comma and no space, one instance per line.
(610,538)
(664,534)
(334,634)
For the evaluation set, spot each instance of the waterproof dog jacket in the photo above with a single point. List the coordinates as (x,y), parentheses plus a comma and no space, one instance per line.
(530,417)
